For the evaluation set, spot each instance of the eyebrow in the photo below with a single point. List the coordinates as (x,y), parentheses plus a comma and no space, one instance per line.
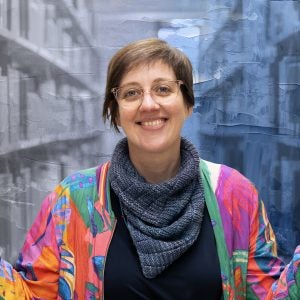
(134,83)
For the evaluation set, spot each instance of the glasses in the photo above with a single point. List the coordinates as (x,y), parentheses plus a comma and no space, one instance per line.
(130,96)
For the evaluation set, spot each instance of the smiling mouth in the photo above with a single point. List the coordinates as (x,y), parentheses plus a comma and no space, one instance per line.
(153,123)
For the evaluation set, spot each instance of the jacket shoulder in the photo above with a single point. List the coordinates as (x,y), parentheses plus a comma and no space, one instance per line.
(222,175)
(83,179)
(237,203)
(212,170)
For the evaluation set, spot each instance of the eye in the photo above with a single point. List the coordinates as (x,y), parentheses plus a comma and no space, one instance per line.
(162,89)
(130,94)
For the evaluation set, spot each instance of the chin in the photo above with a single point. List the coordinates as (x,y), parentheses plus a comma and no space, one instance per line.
(152,144)
(155,146)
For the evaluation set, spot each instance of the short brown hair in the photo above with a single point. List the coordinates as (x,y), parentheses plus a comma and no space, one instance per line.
(145,51)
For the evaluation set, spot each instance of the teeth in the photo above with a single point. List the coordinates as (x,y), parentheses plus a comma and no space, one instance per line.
(152,123)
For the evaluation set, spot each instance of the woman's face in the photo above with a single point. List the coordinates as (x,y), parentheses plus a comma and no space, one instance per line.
(152,127)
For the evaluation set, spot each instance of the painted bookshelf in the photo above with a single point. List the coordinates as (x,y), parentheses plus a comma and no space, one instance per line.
(50,122)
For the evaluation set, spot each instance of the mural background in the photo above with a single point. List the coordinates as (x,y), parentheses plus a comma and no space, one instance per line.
(53,60)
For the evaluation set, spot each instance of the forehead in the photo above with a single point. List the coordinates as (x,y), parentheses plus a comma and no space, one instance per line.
(148,72)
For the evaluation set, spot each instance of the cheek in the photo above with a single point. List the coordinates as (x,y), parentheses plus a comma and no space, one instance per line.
(124,117)
(183,112)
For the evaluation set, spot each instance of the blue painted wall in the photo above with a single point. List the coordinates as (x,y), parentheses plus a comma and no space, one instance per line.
(246,56)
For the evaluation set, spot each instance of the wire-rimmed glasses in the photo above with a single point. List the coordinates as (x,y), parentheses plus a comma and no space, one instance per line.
(131,96)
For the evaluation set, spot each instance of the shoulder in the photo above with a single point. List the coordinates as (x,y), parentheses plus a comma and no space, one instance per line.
(73,186)
(78,185)
(226,181)
(80,179)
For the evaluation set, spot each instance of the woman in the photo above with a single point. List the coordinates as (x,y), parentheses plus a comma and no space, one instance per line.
(156,222)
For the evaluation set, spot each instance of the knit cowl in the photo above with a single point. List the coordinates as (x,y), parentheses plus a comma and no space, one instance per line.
(163,219)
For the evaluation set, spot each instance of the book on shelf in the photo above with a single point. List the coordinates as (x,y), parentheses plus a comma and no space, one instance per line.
(77,4)
(61,108)
(65,40)
(24,197)
(60,43)
(15,104)
(70,3)
(4,111)
(6,183)
(51,33)
(86,63)
(77,109)
(44,177)
(76,58)
(47,89)
(67,45)
(80,5)
(24,18)
(72,104)
(37,115)
(56,109)
(6,199)
(81,61)
(3,13)
(89,114)
(83,16)
(36,18)
(15,17)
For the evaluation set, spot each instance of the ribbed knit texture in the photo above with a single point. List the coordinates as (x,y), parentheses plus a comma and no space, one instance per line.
(163,219)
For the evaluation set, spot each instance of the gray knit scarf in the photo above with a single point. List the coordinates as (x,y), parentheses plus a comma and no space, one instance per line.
(163,219)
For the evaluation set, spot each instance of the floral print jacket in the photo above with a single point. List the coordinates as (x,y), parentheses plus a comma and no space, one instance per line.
(64,253)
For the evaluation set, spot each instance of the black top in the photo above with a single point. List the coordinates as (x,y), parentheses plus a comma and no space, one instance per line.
(195,275)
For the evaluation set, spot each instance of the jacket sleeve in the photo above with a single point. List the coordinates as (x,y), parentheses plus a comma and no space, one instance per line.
(288,285)
(267,276)
(36,273)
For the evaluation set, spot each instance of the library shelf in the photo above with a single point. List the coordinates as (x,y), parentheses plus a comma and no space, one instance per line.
(67,11)
(43,141)
(37,59)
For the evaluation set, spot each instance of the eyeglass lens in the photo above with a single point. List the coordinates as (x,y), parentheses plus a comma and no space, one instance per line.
(160,92)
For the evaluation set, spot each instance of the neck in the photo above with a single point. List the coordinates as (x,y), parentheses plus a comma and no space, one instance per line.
(157,167)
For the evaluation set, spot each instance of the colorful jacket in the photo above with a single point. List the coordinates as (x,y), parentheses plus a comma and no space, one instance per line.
(64,253)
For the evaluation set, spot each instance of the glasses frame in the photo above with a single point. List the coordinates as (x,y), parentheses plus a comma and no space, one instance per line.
(116,90)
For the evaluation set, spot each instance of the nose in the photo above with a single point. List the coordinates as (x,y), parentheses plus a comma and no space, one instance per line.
(148,103)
